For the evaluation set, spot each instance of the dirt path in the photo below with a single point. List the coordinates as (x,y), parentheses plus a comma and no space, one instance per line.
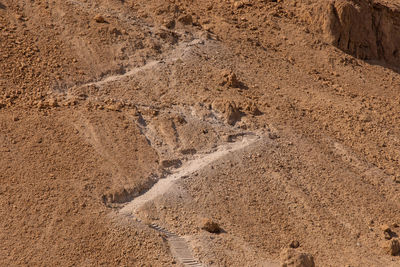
(162,186)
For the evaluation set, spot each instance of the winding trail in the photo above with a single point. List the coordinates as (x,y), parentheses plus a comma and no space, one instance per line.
(178,245)
(163,185)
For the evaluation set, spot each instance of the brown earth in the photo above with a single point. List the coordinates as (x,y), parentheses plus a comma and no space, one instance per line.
(101,99)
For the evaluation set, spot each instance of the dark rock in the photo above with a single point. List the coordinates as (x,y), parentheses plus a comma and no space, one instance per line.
(210,226)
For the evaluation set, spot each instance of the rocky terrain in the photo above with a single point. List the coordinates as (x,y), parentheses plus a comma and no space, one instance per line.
(200,133)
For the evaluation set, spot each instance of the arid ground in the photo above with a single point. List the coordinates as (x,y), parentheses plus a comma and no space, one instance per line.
(131,131)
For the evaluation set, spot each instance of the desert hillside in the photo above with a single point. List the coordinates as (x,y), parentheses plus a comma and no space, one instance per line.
(200,133)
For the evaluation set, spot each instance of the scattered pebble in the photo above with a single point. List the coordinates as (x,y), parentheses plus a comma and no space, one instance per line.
(99,18)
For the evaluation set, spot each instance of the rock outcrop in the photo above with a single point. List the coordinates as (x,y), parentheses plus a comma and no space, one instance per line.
(366,29)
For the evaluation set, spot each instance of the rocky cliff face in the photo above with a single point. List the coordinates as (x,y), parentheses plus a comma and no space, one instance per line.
(364,28)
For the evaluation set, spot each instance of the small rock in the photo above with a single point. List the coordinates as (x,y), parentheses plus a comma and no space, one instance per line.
(292,258)
(4,149)
(19,17)
(169,23)
(188,151)
(273,135)
(176,163)
(180,119)
(365,118)
(238,4)
(208,27)
(392,247)
(210,226)
(387,232)
(229,78)
(253,109)
(53,102)
(229,138)
(387,235)
(232,113)
(40,104)
(294,244)
(186,19)
(114,107)
(99,19)
(115,31)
